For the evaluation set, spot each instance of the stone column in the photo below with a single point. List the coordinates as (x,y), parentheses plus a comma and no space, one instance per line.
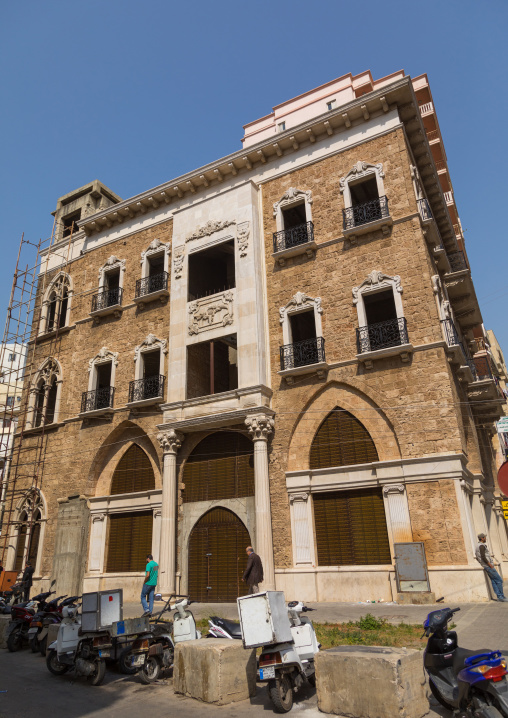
(170,442)
(303,544)
(260,427)
(398,512)
(97,543)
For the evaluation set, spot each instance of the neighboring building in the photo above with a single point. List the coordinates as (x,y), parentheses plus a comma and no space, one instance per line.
(272,349)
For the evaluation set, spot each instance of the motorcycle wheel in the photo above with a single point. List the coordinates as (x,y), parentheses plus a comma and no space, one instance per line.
(43,645)
(100,671)
(35,645)
(439,698)
(15,641)
(124,663)
(54,665)
(281,693)
(151,670)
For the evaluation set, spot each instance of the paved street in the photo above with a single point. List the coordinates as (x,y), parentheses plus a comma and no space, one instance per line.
(31,692)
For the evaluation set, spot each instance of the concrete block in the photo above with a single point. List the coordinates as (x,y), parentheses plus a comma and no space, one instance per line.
(4,622)
(419,598)
(215,670)
(371,682)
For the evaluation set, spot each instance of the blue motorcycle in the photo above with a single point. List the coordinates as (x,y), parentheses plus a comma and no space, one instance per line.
(470,684)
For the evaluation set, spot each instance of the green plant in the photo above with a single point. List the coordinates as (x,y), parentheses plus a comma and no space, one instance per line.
(370,623)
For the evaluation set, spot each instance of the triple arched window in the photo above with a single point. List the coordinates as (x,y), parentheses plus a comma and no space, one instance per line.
(56,305)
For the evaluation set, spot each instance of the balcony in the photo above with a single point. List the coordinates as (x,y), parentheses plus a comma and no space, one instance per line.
(367,217)
(457,261)
(424,210)
(294,241)
(484,392)
(457,352)
(149,390)
(449,198)
(106,302)
(98,401)
(383,339)
(426,109)
(304,357)
(433,135)
(150,288)
(441,166)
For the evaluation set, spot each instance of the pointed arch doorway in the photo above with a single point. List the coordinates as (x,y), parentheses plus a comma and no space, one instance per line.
(217,557)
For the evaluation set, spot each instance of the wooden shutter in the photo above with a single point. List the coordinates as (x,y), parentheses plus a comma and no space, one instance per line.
(130,540)
(20,548)
(341,440)
(133,473)
(351,528)
(217,557)
(220,467)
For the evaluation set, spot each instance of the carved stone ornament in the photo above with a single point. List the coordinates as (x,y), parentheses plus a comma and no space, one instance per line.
(178,258)
(112,263)
(360,169)
(155,246)
(436,284)
(151,342)
(211,312)
(300,301)
(98,517)
(104,355)
(292,195)
(393,489)
(242,237)
(377,279)
(303,496)
(50,369)
(58,286)
(213,225)
(170,440)
(260,426)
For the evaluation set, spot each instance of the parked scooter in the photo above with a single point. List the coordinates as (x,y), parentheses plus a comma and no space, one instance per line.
(285,666)
(222,628)
(74,650)
(152,652)
(21,617)
(471,683)
(39,628)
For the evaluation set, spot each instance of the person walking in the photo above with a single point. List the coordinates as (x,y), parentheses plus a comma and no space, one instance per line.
(148,590)
(27,580)
(253,574)
(485,560)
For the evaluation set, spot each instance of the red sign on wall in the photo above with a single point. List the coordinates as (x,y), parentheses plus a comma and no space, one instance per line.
(502,478)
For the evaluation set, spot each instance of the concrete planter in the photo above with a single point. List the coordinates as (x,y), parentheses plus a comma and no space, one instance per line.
(4,622)
(371,682)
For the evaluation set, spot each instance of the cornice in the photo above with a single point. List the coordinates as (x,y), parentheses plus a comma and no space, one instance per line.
(254,156)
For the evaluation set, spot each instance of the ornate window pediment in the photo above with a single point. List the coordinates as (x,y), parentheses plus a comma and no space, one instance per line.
(149,344)
(300,302)
(110,264)
(102,357)
(292,196)
(377,280)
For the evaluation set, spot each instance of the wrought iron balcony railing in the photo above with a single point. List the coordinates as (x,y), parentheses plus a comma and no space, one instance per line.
(366,212)
(149,285)
(382,335)
(97,399)
(106,298)
(151,387)
(451,333)
(308,351)
(483,370)
(457,261)
(424,209)
(289,238)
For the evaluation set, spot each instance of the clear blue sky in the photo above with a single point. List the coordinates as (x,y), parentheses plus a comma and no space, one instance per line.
(136,93)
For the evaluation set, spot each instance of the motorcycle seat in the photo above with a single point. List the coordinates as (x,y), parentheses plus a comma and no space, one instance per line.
(461,654)
(232,627)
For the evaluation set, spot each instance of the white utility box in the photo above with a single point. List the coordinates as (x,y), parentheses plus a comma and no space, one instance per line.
(264,619)
(100,609)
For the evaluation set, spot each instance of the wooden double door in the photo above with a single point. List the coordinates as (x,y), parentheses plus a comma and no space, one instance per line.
(217,557)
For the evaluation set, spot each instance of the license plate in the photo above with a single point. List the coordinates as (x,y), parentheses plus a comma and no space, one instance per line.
(104,654)
(137,661)
(32,631)
(265,673)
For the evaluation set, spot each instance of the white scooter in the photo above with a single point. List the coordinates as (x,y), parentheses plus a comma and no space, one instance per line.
(285,666)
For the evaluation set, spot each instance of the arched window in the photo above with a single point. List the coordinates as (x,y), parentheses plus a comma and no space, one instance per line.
(55,312)
(45,395)
(220,467)
(29,528)
(341,440)
(133,473)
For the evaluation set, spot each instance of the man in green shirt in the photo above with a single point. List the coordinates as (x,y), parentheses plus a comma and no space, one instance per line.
(148,590)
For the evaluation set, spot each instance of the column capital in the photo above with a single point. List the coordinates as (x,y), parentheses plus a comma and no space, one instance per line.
(393,489)
(170,440)
(260,426)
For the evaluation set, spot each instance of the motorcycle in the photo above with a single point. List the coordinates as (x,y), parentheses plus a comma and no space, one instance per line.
(21,617)
(84,653)
(222,628)
(285,666)
(470,683)
(153,652)
(39,628)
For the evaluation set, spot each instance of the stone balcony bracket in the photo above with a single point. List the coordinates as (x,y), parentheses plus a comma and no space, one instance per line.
(161,295)
(134,405)
(384,224)
(321,369)
(402,350)
(116,310)
(309,248)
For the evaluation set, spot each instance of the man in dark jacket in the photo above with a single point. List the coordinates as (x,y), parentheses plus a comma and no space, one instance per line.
(253,574)
(27,580)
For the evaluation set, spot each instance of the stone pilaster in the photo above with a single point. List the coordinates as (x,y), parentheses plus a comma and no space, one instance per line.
(170,441)
(260,427)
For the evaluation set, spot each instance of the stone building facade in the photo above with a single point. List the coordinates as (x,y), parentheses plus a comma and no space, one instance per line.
(272,349)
